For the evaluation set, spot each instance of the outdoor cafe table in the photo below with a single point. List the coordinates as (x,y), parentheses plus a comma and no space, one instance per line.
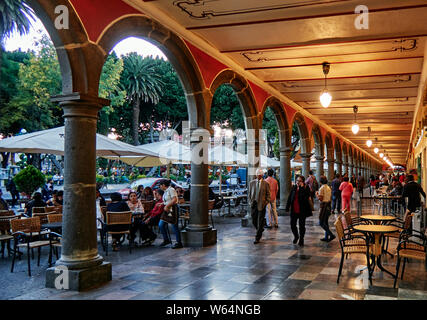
(376,232)
(228,200)
(378,219)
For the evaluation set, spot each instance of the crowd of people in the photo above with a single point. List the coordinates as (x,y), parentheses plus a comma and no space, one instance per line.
(333,199)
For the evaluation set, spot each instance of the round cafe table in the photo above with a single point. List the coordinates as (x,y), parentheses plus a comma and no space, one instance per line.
(376,232)
(378,219)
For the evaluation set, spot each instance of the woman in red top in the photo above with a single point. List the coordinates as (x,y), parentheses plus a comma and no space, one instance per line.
(152,218)
(346,189)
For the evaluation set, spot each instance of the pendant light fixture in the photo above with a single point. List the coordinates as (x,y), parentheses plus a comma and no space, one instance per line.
(355,128)
(369,141)
(325,96)
(376,143)
(382,153)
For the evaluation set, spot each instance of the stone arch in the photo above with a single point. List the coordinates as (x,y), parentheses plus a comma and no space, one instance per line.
(77,56)
(338,150)
(329,147)
(318,141)
(244,92)
(281,120)
(344,152)
(175,50)
(303,132)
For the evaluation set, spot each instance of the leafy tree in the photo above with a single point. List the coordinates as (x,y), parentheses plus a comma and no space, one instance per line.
(270,125)
(29,179)
(142,84)
(226,110)
(14,16)
(110,88)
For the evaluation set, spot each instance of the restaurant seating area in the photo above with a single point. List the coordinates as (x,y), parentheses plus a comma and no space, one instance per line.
(236,269)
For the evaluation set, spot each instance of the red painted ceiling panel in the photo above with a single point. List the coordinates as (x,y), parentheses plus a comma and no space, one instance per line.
(260,95)
(96,15)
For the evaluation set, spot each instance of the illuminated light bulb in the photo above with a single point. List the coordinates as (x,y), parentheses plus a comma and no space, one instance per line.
(369,143)
(376,150)
(325,98)
(355,128)
(381,155)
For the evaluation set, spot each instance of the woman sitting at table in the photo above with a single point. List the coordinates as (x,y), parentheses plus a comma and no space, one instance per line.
(117,205)
(148,194)
(134,203)
(60,198)
(152,218)
(35,202)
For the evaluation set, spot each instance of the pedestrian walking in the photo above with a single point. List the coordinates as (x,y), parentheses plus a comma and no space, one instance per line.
(413,191)
(336,193)
(325,194)
(259,197)
(271,210)
(299,205)
(346,189)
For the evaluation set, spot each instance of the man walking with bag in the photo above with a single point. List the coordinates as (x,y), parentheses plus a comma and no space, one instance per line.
(259,197)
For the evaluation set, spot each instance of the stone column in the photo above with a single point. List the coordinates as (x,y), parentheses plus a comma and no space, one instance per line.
(319,167)
(339,166)
(305,164)
(331,163)
(253,163)
(199,233)
(79,254)
(345,165)
(285,178)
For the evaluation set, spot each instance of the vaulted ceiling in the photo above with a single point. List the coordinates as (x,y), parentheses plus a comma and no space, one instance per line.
(285,42)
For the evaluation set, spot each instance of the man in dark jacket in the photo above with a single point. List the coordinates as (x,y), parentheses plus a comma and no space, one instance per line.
(3,203)
(412,191)
(336,193)
(11,187)
(298,203)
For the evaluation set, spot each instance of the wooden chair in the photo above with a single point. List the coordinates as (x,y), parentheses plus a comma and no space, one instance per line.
(58,209)
(50,209)
(117,219)
(148,205)
(23,231)
(39,210)
(42,216)
(410,249)
(351,222)
(5,235)
(350,245)
(404,228)
(54,218)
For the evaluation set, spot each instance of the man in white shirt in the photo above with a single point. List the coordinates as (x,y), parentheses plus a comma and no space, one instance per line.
(324,194)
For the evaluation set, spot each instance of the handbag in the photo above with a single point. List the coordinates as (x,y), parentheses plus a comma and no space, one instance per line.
(171,216)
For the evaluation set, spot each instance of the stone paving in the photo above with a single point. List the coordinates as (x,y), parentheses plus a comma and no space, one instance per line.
(234,268)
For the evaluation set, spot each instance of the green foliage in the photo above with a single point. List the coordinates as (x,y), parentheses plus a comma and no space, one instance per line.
(38,79)
(29,179)
(276,146)
(99,178)
(226,110)
(140,176)
(13,16)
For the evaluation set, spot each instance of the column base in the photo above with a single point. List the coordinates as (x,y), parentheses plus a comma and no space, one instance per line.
(79,279)
(198,238)
(246,221)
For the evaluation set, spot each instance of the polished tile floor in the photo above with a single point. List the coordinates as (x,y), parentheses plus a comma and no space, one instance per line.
(234,268)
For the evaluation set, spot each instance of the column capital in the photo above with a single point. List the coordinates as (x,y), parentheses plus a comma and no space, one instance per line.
(80,104)
(319,158)
(338,162)
(330,160)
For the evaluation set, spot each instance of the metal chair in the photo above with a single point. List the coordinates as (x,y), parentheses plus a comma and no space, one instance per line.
(23,231)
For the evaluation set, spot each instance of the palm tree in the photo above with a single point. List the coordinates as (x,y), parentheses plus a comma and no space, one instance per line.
(142,84)
(14,16)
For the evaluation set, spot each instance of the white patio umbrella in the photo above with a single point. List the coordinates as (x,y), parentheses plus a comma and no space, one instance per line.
(51,141)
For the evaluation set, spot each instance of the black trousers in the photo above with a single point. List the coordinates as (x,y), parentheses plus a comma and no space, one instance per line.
(325,212)
(301,221)
(15,197)
(258,220)
(336,201)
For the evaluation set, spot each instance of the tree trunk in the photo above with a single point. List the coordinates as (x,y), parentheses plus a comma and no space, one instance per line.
(135,122)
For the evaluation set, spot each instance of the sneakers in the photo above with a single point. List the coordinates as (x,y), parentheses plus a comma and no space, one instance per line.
(177,245)
(301,242)
(165,243)
(276,225)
